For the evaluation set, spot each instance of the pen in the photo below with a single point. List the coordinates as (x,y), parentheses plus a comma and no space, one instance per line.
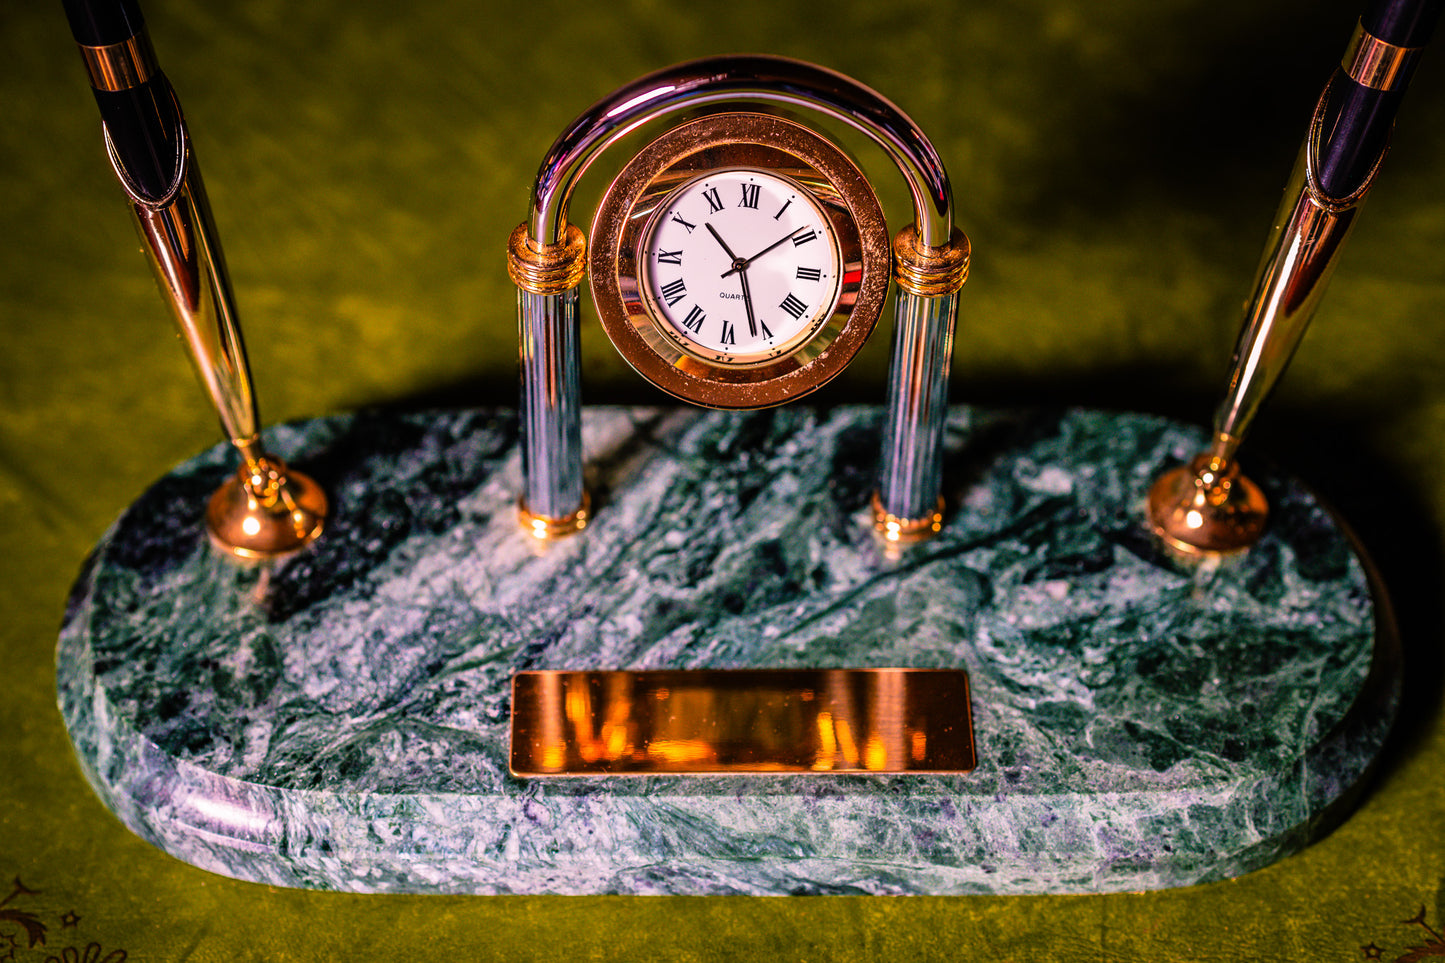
(1208,506)
(264,511)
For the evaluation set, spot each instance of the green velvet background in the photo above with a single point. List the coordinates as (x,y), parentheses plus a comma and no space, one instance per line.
(1116,166)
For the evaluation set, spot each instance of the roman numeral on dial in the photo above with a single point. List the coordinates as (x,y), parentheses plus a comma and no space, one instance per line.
(714,202)
(729,334)
(669,257)
(800,239)
(750,196)
(793,306)
(693,321)
(810,274)
(674,291)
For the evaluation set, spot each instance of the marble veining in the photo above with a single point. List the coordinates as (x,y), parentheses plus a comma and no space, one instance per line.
(340,721)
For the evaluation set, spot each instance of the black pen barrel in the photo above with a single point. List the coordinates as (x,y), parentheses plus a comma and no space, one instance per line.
(100,23)
(1404,23)
(144,126)
(136,104)
(1358,108)
(1354,132)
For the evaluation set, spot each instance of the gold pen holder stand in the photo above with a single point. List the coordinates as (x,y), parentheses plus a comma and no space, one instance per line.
(265,511)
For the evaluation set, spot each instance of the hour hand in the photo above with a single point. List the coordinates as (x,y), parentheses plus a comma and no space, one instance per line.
(718,237)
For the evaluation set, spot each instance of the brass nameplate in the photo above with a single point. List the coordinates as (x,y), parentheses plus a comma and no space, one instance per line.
(741,720)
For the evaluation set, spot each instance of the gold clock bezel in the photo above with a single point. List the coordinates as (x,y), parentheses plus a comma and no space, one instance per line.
(733,141)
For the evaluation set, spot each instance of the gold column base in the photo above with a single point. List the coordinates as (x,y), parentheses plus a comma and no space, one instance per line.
(906,530)
(265,511)
(1207,508)
(545,528)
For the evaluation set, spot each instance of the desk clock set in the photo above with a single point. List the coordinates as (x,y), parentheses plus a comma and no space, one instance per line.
(742,646)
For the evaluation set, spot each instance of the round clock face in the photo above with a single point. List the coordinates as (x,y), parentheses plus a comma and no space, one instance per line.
(739,260)
(741,265)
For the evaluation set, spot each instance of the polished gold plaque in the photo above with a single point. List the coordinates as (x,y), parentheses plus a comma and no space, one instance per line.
(741,721)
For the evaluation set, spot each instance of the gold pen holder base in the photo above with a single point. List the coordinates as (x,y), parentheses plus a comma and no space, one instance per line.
(265,511)
(1207,508)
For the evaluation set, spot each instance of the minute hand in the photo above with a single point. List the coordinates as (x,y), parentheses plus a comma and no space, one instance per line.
(740,265)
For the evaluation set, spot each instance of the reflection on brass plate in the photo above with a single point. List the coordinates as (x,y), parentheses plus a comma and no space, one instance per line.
(741,720)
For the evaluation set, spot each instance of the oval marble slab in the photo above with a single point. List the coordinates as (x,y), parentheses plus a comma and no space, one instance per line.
(340,720)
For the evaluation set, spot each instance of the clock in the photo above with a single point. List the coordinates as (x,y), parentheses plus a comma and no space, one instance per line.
(740,260)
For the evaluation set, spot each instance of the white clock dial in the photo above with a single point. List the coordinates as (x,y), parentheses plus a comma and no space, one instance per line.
(740,266)
(740,260)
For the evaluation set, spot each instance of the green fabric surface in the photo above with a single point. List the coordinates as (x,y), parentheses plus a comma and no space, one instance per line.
(1116,167)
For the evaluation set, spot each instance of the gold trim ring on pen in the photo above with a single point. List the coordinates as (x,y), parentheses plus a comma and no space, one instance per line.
(120,66)
(548,268)
(1376,64)
(929,272)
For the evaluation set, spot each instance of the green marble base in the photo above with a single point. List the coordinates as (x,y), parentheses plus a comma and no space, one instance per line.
(340,721)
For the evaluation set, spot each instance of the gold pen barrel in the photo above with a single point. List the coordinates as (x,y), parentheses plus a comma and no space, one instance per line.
(1300,256)
(179,241)
(265,510)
